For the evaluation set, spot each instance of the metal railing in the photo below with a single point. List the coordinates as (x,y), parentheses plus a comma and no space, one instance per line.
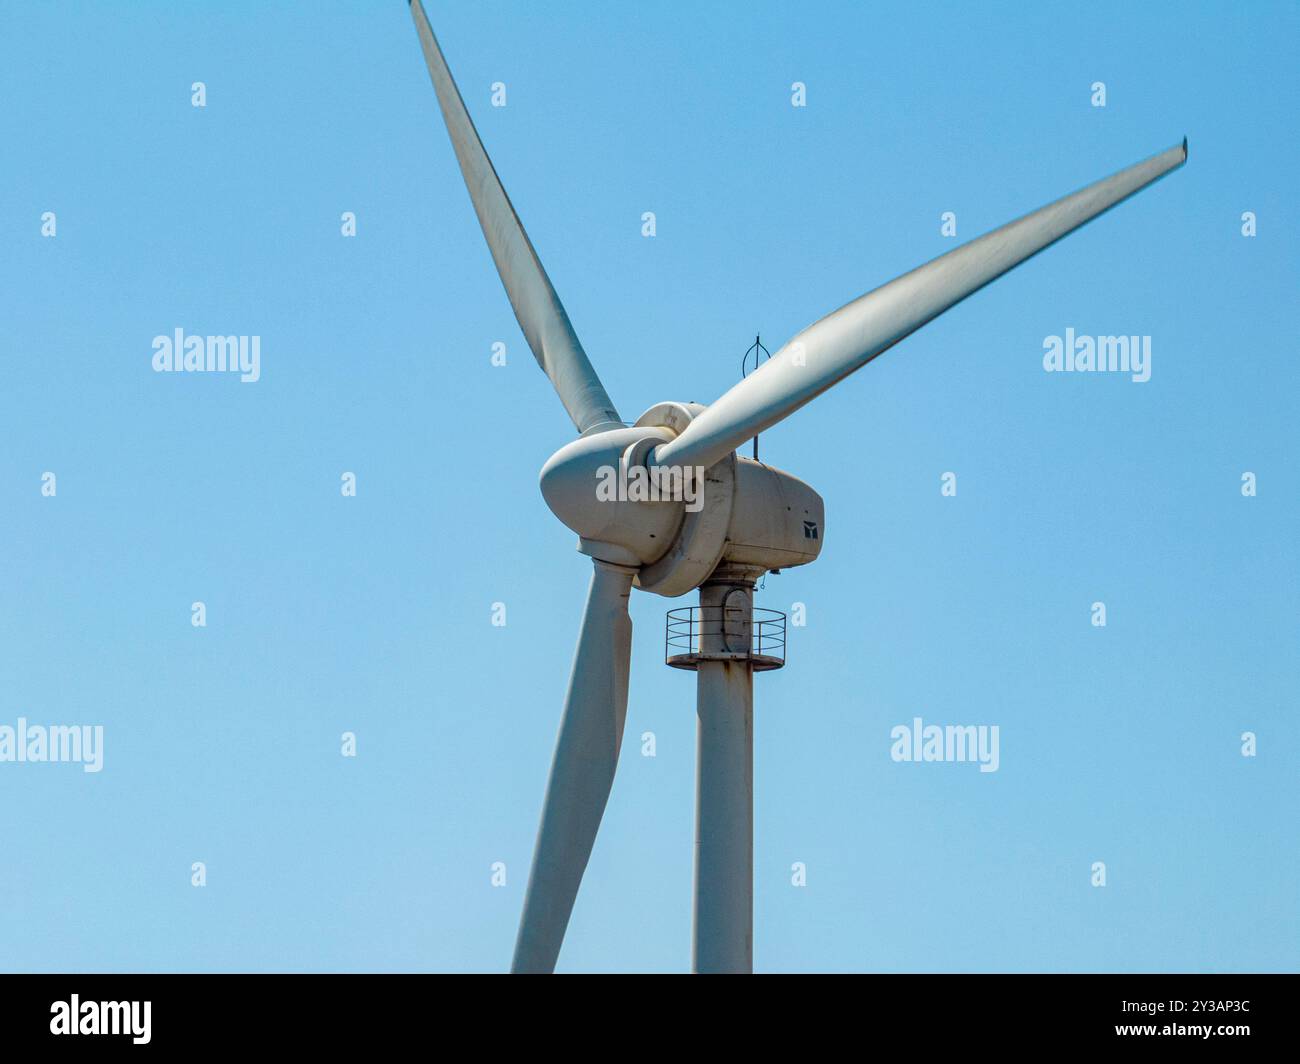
(724,633)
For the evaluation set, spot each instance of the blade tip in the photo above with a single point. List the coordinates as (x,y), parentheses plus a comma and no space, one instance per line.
(1184,147)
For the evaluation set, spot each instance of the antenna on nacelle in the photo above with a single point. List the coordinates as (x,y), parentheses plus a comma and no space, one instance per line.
(759,352)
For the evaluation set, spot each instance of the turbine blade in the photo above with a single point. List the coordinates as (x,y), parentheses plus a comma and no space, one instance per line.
(541,315)
(838,344)
(582,772)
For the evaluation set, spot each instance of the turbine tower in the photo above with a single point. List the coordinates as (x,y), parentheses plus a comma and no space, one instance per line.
(753,519)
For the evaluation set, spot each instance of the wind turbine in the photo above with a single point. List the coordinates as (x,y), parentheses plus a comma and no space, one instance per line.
(753,519)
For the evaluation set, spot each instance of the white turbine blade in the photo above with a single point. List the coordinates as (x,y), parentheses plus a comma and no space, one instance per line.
(582,772)
(842,342)
(541,315)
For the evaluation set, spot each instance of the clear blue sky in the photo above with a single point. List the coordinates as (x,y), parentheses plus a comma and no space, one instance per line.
(372,614)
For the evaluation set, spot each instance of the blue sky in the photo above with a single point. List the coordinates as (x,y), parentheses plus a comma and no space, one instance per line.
(372,614)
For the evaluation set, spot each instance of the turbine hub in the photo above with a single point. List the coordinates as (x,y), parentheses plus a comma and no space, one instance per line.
(599,486)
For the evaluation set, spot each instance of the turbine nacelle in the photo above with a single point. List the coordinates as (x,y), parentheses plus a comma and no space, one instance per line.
(676,524)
